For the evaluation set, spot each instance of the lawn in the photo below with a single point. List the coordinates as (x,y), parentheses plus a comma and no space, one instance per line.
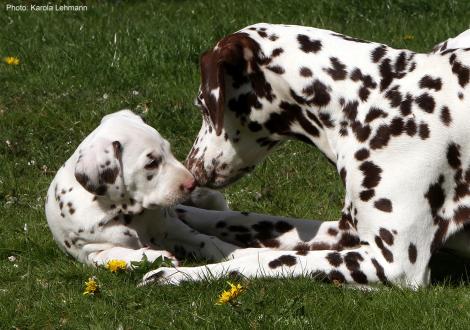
(143,55)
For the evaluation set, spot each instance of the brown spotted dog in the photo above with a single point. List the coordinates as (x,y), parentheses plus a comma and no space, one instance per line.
(395,123)
(115,198)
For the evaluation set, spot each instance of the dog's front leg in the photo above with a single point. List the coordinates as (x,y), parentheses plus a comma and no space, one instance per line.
(362,266)
(247,229)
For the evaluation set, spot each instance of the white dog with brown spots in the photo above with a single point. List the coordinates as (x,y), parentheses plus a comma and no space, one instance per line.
(395,123)
(117,197)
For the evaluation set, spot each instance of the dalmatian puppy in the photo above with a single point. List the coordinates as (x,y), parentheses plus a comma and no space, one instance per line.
(395,123)
(115,199)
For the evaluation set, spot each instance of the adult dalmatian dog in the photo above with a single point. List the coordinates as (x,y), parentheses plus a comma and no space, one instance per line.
(395,123)
(116,198)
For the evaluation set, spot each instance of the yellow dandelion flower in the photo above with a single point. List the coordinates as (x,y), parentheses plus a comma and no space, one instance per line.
(116,265)
(91,287)
(11,60)
(408,37)
(230,295)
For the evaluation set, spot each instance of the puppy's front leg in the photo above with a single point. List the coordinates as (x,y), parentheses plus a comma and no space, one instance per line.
(102,257)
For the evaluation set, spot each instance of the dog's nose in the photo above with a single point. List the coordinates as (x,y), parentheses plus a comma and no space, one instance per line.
(189,185)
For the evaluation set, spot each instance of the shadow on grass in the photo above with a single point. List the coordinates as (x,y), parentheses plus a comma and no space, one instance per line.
(450,269)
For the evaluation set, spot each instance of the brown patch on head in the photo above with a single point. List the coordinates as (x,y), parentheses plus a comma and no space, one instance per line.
(235,54)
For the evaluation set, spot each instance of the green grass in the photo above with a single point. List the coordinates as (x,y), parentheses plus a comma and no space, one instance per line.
(50,102)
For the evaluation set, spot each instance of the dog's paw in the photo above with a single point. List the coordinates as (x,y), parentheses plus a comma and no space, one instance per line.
(163,275)
(208,199)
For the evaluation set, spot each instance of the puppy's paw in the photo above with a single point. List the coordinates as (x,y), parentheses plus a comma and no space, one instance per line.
(164,275)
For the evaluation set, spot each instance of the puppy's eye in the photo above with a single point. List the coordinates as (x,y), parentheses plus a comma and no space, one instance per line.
(153,163)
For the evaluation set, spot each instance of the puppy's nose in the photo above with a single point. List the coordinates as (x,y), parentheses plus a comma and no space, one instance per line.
(189,185)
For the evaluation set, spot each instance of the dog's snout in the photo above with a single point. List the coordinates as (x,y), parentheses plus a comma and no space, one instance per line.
(189,185)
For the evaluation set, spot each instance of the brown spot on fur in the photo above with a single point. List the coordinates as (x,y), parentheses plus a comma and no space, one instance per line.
(332,232)
(412,253)
(285,260)
(445,116)
(362,154)
(386,236)
(366,195)
(384,205)
(386,252)
(307,45)
(379,271)
(334,258)
(371,174)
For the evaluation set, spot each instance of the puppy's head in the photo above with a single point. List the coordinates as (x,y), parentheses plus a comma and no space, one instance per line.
(125,158)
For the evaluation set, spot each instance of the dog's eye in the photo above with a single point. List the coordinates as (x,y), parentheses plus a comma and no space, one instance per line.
(153,164)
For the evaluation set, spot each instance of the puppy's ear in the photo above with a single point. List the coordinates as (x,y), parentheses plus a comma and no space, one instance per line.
(234,55)
(99,168)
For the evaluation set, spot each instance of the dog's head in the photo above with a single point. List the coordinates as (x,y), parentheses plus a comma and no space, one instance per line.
(124,158)
(235,97)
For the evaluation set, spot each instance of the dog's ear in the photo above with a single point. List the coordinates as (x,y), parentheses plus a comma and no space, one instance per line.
(99,168)
(232,55)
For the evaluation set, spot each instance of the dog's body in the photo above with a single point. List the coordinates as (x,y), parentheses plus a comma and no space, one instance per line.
(396,124)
